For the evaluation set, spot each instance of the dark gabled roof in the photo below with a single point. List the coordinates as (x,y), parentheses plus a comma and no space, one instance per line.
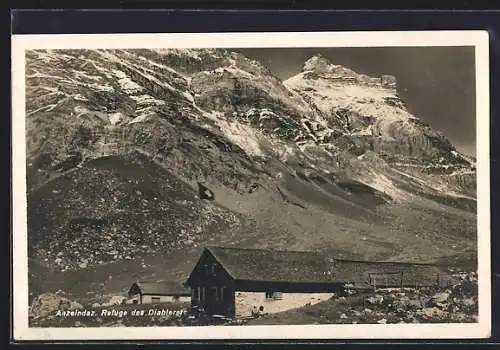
(273,265)
(311,267)
(162,288)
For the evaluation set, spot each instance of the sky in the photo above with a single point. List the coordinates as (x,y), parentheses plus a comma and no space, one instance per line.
(437,83)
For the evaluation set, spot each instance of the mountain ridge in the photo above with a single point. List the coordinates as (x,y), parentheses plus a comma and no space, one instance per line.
(332,149)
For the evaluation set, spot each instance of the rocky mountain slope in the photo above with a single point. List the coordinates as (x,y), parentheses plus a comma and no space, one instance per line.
(118,142)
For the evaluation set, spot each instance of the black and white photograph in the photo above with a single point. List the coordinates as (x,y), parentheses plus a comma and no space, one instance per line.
(269,186)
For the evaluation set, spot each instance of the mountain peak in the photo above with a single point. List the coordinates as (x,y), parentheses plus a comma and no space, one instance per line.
(320,65)
(317,63)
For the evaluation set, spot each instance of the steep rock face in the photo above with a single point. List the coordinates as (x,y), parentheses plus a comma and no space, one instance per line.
(242,84)
(114,113)
(371,112)
(241,93)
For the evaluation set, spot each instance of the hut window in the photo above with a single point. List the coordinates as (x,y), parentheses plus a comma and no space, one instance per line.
(274,295)
(277,295)
(216,293)
(213,269)
(155,299)
(175,297)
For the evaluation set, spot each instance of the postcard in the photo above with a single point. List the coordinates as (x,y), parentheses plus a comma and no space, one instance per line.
(315,185)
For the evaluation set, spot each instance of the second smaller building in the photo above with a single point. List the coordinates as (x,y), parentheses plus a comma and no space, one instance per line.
(149,292)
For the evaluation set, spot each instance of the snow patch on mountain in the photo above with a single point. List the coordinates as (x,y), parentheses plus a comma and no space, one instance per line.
(382,183)
(329,96)
(234,71)
(470,160)
(368,131)
(192,53)
(126,84)
(240,134)
(93,86)
(147,76)
(141,118)
(115,118)
(80,74)
(147,100)
(333,88)
(162,66)
(80,97)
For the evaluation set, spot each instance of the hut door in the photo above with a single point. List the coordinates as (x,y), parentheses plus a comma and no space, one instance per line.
(211,299)
(203,297)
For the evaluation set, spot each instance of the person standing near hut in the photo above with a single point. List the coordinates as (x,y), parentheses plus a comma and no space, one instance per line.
(255,311)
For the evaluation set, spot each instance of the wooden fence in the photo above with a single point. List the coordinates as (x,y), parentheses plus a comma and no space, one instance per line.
(381,280)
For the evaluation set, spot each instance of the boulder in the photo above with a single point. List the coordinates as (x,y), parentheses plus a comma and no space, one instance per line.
(439,300)
(356,313)
(115,300)
(376,299)
(469,302)
(405,303)
(205,192)
(458,316)
(432,312)
(441,297)
(75,305)
(49,303)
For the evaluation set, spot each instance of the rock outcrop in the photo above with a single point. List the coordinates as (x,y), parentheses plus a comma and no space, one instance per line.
(47,304)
